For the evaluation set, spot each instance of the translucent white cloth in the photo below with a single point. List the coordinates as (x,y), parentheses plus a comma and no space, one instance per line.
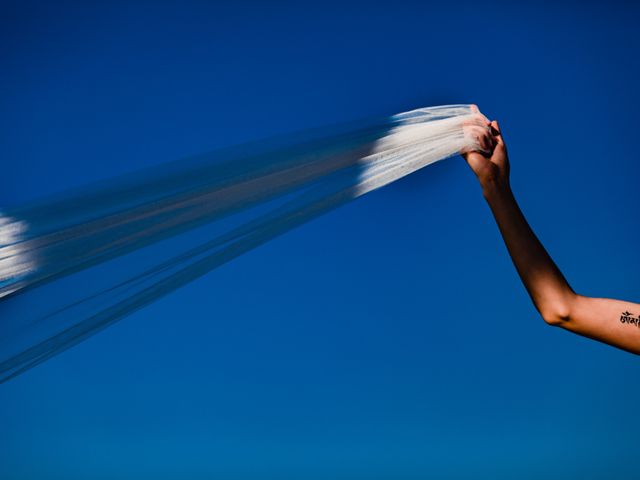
(245,196)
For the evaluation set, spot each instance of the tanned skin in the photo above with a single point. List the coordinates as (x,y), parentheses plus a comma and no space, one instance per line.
(614,322)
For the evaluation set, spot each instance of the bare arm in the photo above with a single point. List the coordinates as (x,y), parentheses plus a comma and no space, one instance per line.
(614,322)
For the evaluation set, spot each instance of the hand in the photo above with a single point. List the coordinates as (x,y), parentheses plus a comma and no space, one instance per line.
(491,166)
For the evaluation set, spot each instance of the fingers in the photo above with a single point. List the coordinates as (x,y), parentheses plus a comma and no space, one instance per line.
(496,132)
(478,114)
(487,143)
(481,131)
(484,138)
(480,138)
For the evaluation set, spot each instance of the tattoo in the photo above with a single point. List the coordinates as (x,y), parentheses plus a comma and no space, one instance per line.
(627,317)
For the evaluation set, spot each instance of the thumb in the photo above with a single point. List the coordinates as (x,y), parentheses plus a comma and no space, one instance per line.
(496,132)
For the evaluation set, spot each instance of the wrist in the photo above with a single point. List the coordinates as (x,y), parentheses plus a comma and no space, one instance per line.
(496,188)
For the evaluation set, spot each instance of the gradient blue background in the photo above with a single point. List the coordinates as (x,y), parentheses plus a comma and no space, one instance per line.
(388,339)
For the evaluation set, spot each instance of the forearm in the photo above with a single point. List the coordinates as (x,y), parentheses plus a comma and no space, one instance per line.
(615,322)
(549,290)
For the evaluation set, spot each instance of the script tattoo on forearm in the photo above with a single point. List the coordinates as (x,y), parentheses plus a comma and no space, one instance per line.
(628,317)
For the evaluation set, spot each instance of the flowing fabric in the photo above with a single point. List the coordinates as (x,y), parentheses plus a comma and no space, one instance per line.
(149,233)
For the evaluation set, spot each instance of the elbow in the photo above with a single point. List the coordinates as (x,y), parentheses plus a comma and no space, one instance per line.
(554,318)
(556,313)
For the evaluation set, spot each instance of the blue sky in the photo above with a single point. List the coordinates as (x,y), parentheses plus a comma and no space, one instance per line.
(388,339)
